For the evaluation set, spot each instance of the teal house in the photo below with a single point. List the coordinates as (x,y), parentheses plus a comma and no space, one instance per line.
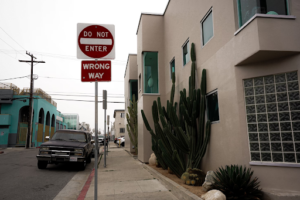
(14,113)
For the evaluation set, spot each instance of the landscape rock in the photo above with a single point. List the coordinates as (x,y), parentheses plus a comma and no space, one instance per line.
(152,159)
(213,195)
(207,185)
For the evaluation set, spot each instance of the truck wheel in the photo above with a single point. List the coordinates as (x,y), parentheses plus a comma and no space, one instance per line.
(89,158)
(82,165)
(42,164)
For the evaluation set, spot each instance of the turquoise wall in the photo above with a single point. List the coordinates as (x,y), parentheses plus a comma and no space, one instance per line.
(38,103)
(3,137)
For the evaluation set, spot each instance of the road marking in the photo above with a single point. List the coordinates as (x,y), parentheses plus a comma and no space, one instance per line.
(86,186)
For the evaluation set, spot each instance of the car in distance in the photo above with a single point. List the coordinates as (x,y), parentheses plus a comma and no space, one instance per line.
(101,139)
(66,146)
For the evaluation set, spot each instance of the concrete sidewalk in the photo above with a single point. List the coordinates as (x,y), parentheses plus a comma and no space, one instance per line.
(123,178)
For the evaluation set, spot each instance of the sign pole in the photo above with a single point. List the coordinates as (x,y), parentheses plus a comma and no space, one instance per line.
(104,103)
(96,140)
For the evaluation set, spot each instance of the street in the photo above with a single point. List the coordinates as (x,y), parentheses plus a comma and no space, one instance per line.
(21,179)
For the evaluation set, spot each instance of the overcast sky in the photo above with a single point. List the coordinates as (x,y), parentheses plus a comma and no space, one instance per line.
(48,30)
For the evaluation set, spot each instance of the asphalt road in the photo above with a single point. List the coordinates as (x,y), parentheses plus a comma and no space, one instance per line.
(21,179)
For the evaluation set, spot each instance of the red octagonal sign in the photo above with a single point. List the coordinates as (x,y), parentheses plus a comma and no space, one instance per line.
(95,41)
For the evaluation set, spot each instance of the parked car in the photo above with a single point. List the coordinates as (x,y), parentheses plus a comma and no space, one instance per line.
(116,139)
(121,141)
(94,146)
(101,139)
(66,146)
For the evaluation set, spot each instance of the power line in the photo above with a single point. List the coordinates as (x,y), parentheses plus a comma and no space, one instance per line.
(81,100)
(13,78)
(8,55)
(70,78)
(11,46)
(12,38)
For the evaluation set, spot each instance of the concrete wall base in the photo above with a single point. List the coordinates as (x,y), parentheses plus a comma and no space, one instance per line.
(177,190)
(280,195)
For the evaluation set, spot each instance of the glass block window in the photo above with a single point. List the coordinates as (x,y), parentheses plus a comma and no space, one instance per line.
(186,52)
(248,8)
(150,69)
(212,106)
(273,118)
(207,28)
(172,67)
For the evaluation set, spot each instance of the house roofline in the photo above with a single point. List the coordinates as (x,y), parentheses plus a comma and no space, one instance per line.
(154,14)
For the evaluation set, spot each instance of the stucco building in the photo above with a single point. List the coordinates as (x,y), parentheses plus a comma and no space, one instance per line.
(250,50)
(119,127)
(14,113)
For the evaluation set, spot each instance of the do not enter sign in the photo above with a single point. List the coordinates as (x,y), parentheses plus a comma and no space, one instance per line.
(92,71)
(95,41)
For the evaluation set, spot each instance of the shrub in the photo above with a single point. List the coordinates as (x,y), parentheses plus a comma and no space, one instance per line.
(235,182)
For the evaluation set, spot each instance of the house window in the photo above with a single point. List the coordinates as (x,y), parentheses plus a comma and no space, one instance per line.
(140,87)
(122,130)
(172,67)
(133,89)
(186,52)
(122,115)
(273,118)
(150,70)
(212,106)
(207,27)
(248,8)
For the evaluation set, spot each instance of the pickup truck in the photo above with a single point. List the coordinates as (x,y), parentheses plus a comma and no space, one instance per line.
(66,146)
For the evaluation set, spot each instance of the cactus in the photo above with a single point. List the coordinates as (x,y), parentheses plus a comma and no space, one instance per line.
(132,125)
(182,139)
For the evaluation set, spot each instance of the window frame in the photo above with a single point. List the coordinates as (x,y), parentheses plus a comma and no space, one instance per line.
(189,53)
(238,3)
(210,11)
(173,60)
(140,82)
(279,121)
(122,129)
(207,111)
(143,71)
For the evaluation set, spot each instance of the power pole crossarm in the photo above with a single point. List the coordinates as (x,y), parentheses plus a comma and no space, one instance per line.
(29,132)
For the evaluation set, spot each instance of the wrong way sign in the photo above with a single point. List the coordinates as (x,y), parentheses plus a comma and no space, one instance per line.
(92,71)
(95,41)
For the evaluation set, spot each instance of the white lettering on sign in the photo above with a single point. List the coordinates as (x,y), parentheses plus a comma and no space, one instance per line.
(96,48)
(102,34)
(96,66)
(87,34)
(95,75)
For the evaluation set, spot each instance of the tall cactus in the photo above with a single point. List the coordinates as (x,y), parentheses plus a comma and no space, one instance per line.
(132,125)
(181,140)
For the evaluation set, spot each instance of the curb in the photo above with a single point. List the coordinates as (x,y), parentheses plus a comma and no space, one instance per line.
(176,190)
(134,156)
(86,186)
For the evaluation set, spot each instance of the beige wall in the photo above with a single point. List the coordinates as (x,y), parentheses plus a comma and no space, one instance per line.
(119,123)
(130,74)
(265,46)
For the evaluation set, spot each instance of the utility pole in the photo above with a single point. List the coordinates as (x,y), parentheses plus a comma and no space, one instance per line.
(30,116)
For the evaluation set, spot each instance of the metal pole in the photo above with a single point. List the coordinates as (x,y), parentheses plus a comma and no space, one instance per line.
(30,108)
(96,141)
(105,137)
(108,138)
